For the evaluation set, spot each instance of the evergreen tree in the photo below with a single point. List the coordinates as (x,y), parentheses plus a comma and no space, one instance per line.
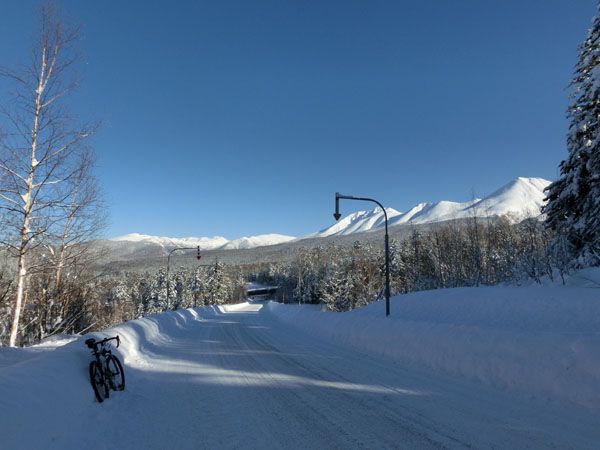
(333,287)
(219,286)
(573,206)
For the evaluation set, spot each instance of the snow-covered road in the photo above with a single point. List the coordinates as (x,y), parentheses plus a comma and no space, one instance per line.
(237,377)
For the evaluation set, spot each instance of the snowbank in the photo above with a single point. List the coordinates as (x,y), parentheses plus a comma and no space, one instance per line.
(544,340)
(45,396)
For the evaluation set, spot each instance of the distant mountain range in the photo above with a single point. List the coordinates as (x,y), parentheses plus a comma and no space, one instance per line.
(522,198)
(214,243)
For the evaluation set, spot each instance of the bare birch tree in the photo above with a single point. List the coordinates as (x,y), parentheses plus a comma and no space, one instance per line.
(43,149)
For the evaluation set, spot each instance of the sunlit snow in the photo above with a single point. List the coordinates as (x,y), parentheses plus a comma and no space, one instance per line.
(490,367)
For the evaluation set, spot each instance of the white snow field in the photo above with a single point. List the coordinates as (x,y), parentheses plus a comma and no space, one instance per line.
(501,367)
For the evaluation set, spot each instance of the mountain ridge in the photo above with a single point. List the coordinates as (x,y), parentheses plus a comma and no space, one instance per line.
(521,198)
(206,243)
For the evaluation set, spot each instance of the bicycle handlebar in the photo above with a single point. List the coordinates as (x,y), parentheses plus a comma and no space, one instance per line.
(92,343)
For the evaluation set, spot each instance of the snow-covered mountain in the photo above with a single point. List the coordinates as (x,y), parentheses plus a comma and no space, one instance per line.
(257,241)
(358,222)
(521,198)
(205,243)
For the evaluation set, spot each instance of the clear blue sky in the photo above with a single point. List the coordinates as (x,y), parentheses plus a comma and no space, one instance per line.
(240,118)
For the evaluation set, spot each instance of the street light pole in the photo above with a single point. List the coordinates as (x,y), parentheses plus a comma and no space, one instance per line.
(169,262)
(337,216)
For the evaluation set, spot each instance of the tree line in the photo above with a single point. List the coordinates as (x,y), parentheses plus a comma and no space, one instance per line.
(474,252)
(95,301)
(466,253)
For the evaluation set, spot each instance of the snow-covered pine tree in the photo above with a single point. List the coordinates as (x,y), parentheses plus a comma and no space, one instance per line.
(332,287)
(573,206)
(200,287)
(219,285)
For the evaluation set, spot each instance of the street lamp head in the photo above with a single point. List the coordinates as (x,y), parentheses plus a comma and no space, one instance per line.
(337,214)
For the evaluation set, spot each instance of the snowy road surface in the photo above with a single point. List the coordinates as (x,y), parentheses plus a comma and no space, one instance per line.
(236,377)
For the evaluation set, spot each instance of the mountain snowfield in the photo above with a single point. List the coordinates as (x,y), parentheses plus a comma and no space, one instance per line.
(521,198)
(206,243)
(515,367)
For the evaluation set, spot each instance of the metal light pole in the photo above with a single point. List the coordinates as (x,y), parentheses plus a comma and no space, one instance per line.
(337,216)
(169,262)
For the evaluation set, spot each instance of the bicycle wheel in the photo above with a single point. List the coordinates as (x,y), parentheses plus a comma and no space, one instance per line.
(98,383)
(116,376)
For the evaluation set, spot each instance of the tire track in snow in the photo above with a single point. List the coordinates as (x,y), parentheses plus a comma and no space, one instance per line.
(334,411)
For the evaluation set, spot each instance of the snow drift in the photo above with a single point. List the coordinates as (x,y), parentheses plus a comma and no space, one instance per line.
(544,340)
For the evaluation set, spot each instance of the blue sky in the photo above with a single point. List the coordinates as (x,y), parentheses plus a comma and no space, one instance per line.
(240,118)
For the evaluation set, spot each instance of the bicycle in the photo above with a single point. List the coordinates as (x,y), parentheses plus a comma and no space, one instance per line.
(106,371)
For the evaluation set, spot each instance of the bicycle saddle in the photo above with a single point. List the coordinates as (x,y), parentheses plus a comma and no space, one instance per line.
(90,342)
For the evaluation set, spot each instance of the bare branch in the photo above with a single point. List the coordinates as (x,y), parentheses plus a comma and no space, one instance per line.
(48,196)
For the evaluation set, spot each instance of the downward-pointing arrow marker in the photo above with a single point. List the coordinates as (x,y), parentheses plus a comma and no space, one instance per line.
(337,216)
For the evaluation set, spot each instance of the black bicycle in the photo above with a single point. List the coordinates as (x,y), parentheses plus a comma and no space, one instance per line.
(106,371)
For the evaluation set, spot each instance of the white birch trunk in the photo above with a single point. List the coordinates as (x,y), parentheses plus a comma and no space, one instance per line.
(27,210)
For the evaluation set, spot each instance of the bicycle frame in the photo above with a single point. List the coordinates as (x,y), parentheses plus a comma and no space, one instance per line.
(102,373)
